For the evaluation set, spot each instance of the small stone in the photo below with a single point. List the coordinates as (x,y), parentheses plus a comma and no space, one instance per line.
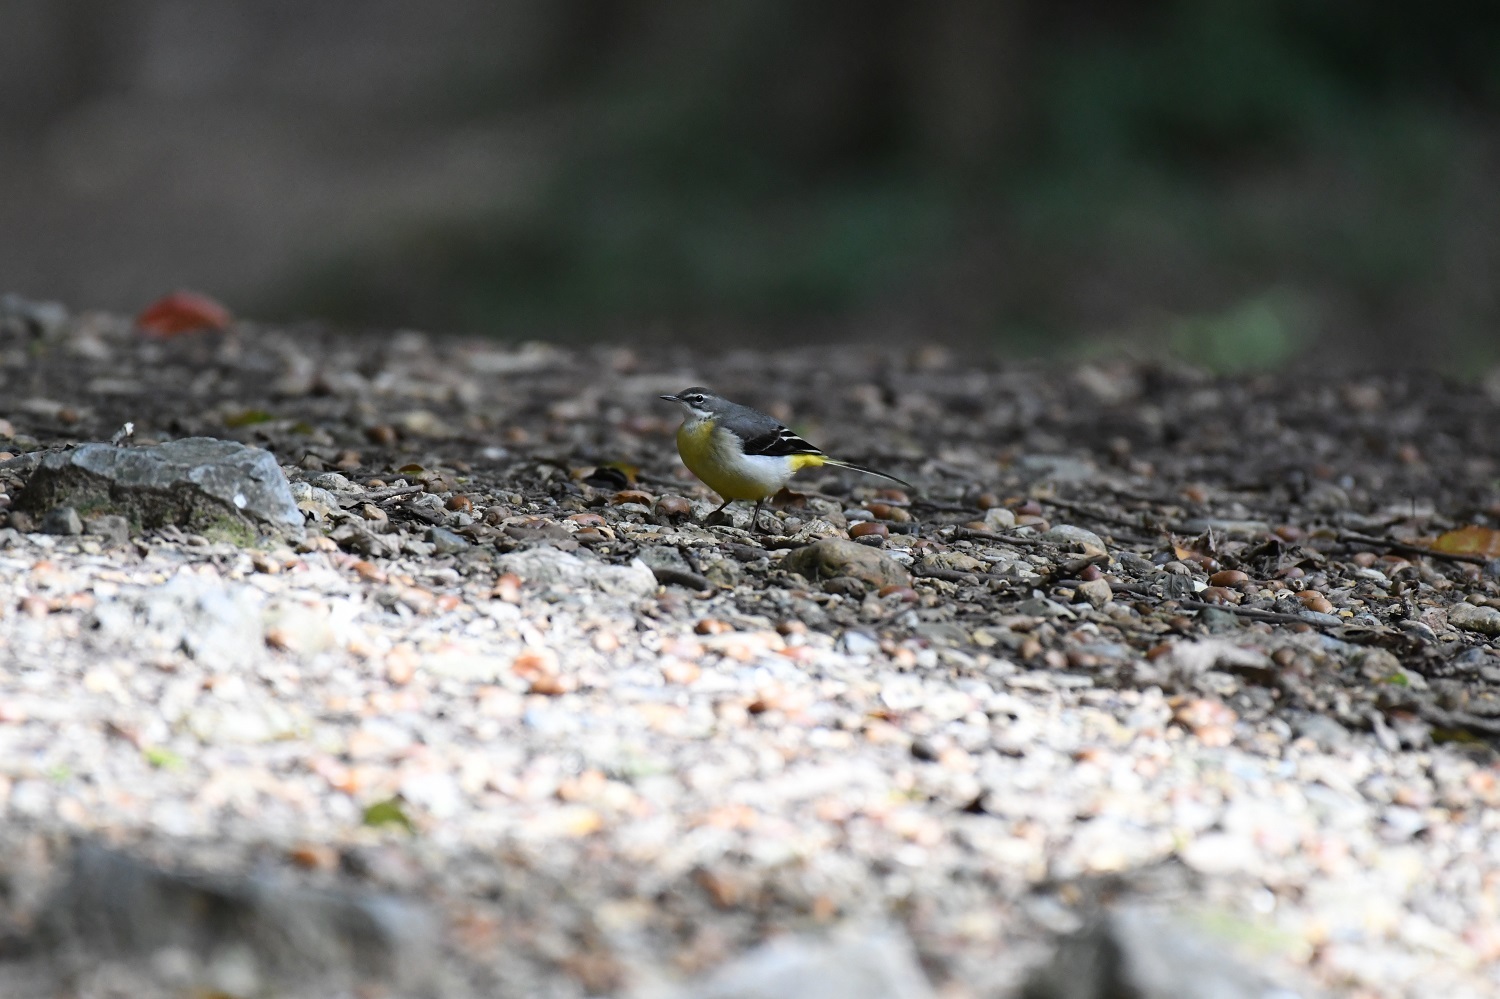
(1228,578)
(111,527)
(446,542)
(857,643)
(61,520)
(998,518)
(834,558)
(1485,620)
(1069,536)
(954,562)
(382,434)
(869,528)
(673,507)
(1315,602)
(1097,592)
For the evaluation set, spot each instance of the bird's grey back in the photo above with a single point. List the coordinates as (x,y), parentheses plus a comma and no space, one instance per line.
(748,423)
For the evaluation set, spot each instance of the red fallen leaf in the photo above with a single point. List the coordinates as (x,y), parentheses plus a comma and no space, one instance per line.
(181,312)
(1471,540)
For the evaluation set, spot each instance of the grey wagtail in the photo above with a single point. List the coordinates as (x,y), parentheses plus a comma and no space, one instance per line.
(743,454)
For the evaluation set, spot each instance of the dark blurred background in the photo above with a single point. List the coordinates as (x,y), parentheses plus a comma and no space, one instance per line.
(1242,182)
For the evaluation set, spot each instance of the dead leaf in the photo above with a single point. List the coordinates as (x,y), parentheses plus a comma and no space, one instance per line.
(181,312)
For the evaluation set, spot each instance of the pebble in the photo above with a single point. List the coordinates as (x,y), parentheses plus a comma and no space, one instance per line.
(1097,592)
(61,520)
(1078,537)
(1485,620)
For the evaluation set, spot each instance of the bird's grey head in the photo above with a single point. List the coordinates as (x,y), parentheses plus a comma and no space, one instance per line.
(699,402)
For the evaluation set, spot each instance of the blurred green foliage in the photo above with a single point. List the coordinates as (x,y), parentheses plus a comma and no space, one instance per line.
(1262,173)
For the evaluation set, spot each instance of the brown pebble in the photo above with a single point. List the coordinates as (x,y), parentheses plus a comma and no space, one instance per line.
(680,671)
(1315,601)
(348,461)
(549,685)
(712,626)
(1157,651)
(1207,563)
(314,856)
(1030,648)
(1228,577)
(532,663)
(1091,573)
(905,594)
(1030,507)
(507,588)
(987,501)
(893,495)
(382,434)
(1078,659)
(368,571)
(35,606)
(1286,532)
(1195,493)
(1218,595)
(1284,657)
(1291,572)
(632,496)
(673,506)
(587,519)
(885,511)
(1210,720)
(868,528)
(459,502)
(1365,559)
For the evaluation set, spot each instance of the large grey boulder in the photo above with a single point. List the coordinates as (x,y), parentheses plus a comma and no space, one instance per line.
(202,484)
(115,918)
(1139,952)
(878,963)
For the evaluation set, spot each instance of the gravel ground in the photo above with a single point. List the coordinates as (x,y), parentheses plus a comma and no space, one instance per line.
(1141,637)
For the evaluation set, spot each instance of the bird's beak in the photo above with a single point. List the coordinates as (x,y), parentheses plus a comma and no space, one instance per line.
(669,398)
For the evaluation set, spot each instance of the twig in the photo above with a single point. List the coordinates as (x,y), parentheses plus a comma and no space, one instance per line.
(945,507)
(969,534)
(952,575)
(681,577)
(389,493)
(1392,545)
(1256,614)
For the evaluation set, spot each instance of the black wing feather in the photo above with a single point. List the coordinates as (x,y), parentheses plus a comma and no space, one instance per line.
(778,443)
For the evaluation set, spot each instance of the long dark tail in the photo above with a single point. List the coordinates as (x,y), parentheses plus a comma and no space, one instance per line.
(868,471)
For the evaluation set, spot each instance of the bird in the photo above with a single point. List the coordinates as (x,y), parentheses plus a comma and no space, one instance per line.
(744,454)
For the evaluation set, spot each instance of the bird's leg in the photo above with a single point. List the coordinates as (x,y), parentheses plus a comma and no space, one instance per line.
(755,516)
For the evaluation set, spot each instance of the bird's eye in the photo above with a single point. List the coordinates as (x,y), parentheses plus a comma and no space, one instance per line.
(695,398)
